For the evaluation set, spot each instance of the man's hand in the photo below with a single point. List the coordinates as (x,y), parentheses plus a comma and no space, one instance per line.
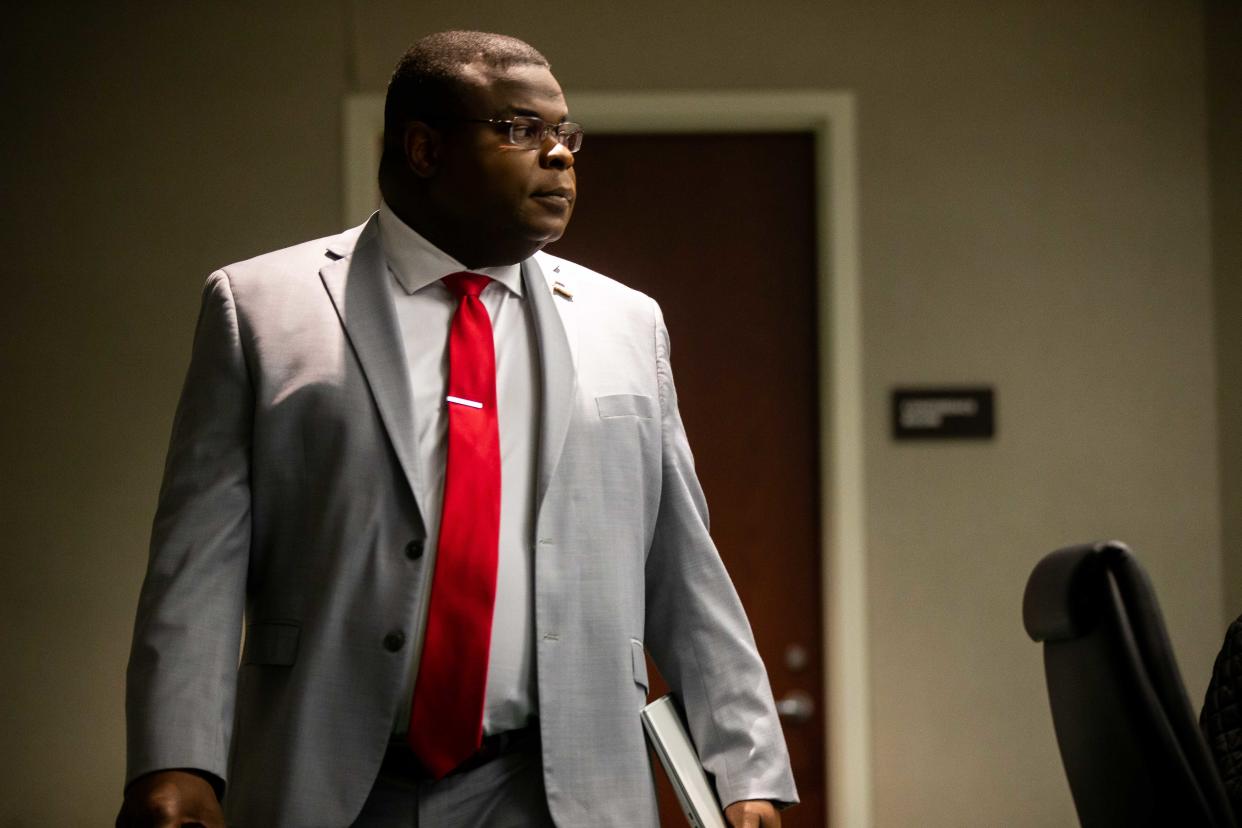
(169,799)
(753,813)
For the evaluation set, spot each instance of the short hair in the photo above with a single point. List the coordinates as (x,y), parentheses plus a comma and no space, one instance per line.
(429,79)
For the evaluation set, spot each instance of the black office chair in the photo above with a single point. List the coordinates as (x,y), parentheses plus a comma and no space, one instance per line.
(1129,741)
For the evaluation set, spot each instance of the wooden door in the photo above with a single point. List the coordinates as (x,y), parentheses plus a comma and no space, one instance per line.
(720,229)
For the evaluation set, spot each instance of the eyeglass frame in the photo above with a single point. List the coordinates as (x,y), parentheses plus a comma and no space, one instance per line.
(546,129)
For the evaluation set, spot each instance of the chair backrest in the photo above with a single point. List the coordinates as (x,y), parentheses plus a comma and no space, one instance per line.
(1129,741)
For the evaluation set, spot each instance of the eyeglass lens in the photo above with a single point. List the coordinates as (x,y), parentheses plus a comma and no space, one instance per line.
(530,132)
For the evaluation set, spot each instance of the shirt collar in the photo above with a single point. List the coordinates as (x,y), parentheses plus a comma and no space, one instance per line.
(416,262)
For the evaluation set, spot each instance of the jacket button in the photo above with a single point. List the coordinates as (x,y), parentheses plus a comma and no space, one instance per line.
(414,549)
(394,641)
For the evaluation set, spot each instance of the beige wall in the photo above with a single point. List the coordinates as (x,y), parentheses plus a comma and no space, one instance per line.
(1034,188)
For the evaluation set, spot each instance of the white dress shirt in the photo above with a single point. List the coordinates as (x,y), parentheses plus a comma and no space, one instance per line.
(425,309)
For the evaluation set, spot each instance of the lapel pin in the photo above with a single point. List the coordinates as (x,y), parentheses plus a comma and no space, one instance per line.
(557,287)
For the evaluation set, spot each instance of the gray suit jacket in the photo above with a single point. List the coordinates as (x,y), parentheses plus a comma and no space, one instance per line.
(289,496)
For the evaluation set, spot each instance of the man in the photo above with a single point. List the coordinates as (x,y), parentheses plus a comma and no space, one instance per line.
(444,476)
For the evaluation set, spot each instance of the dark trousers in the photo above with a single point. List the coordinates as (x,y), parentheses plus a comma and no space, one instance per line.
(502,788)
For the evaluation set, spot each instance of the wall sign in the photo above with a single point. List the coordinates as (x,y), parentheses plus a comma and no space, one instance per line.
(944,413)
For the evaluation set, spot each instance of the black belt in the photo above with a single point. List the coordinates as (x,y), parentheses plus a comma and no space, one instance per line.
(400,761)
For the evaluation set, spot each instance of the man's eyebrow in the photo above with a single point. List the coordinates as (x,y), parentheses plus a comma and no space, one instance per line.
(533,114)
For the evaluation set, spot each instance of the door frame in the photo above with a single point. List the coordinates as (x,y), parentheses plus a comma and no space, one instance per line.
(830,117)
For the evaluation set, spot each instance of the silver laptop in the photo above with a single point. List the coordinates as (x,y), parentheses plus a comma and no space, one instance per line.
(672,744)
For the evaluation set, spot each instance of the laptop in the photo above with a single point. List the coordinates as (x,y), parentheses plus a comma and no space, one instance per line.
(667,734)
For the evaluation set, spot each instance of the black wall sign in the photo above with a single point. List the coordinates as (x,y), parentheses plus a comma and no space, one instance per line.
(943,413)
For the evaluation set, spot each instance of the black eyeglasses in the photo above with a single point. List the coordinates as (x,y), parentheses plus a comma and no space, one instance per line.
(529,132)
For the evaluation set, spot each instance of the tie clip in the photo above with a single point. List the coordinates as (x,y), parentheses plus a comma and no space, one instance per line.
(464,401)
(557,287)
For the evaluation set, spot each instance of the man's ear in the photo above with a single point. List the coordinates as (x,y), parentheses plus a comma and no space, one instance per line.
(422,149)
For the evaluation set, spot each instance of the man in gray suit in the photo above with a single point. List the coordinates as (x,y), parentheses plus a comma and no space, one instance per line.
(443,477)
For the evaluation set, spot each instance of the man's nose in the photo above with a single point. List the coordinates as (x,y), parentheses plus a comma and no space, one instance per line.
(556,155)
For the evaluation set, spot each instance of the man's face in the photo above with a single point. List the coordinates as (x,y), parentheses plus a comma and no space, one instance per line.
(511,200)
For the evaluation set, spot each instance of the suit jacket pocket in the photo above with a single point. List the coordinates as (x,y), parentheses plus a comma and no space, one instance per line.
(272,642)
(639,660)
(625,405)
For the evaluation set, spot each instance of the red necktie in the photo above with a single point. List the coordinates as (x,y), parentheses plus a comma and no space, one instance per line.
(446,721)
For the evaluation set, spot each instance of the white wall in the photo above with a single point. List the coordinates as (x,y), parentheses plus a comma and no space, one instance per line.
(1034,215)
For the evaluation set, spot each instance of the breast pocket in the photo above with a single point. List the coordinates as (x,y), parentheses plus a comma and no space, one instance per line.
(612,406)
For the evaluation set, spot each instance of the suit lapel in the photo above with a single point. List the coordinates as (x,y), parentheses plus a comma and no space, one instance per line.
(556,329)
(358,285)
